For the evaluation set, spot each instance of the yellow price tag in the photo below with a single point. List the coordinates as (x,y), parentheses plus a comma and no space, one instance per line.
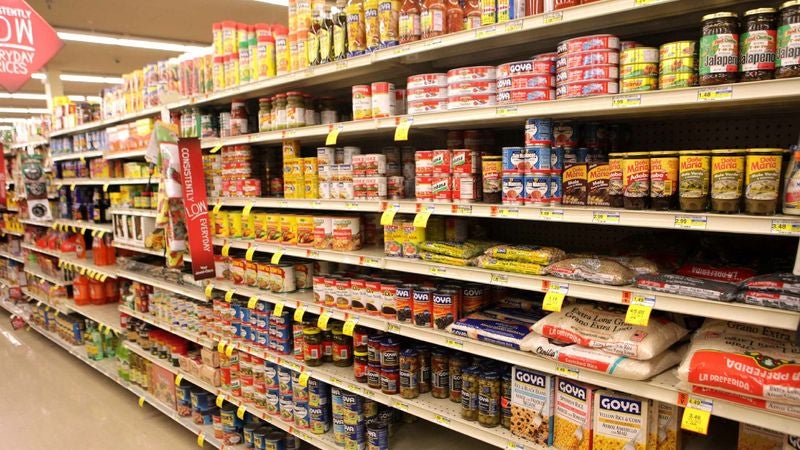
(421,219)
(350,326)
(216,149)
(201,439)
(246,210)
(278,308)
(554,297)
(83,271)
(105,187)
(697,415)
(715,94)
(401,132)
(83,230)
(784,227)
(217,207)
(240,412)
(226,248)
(220,399)
(251,304)
(229,350)
(388,214)
(333,134)
(626,101)
(299,312)
(178,379)
(141,402)
(276,257)
(568,372)
(639,310)
(108,331)
(248,256)
(229,296)
(209,290)
(221,347)
(72,187)
(322,322)
(303,378)
(103,278)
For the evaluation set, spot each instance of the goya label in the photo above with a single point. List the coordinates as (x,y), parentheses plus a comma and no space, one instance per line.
(719,53)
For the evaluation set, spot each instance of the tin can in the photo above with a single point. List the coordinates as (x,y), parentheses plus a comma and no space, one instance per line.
(445,308)
(423,159)
(538,132)
(466,189)
(587,88)
(538,157)
(678,65)
(301,414)
(578,59)
(404,299)
(286,406)
(441,161)
(377,436)
(273,402)
(492,169)
(514,160)
(566,134)
(427,93)
(422,307)
(471,101)
(282,278)
(319,419)
(426,79)
(383,99)
(362,102)
(639,84)
(354,436)
(514,190)
(473,298)
(442,188)
(678,49)
(471,88)
(389,293)
(425,106)
(639,55)
(275,441)
(303,274)
(676,80)
(585,73)
(527,81)
(250,273)
(638,70)
(537,187)
(587,43)
(555,186)
(525,67)
(475,73)
(525,95)
(338,430)
(464,161)
(352,411)
(557,158)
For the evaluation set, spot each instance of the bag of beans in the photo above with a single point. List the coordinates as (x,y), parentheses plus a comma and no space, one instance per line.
(594,270)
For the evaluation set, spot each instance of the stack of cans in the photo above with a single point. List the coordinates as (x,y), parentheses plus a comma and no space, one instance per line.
(527,81)
(639,69)
(532,174)
(470,87)
(427,93)
(588,66)
(447,175)
(677,65)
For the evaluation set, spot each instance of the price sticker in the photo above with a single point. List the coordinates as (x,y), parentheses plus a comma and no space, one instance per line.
(248,255)
(105,187)
(691,222)
(103,278)
(645,2)
(141,402)
(252,302)
(784,227)
(178,379)
(400,405)
(276,257)
(554,297)
(108,331)
(229,296)
(437,271)
(246,210)
(217,207)
(499,279)
(639,310)
(605,217)
(226,248)
(83,230)
(568,372)
(485,32)
(441,420)
(421,219)
(388,214)
(333,134)
(551,214)
(209,290)
(511,445)
(403,126)
(463,210)
(715,94)
(432,43)
(303,378)
(322,321)
(553,17)
(229,350)
(220,399)
(454,343)
(299,312)
(221,347)
(697,415)
(216,149)
(393,328)
(626,101)
(371,261)
(201,439)
(279,308)
(351,205)
(341,65)
(514,26)
(349,326)
(240,412)
(507,212)
(505,111)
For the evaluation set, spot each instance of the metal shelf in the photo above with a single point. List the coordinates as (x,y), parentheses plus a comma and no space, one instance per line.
(78,155)
(125,154)
(133,212)
(16,258)
(81,224)
(36,272)
(86,265)
(107,122)
(46,251)
(103,181)
(107,314)
(32,143)
(136,248)
(38,223)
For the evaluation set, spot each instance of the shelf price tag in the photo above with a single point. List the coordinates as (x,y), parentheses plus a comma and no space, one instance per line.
(252,302)
(626,101)
(371,261)
(299,312)
(322,322)
(454,343)
(554,297)
(441,420)
(503,211)
(697,415)
(178,379)
(568,372)
(498,279)
(784,227)
(105,187)
(216,149)
(511,445)
(403,125)
(349,326)
(645,2)
(248,255)
(201,439)
(514,25)
(691,222)
(505,111)
(276,257)
(400,405)
(388,214)
(303,378)
(220,399)
(551,214)
(279,308)
(484,32)
(226,248)
(333,134)
(240,412)
(639,310)
(715,93)
(393,328)
(209,290)
(464,210)
(553,17)
(605,217)
(141,402)
(437,271)
(229,296)
(421,219)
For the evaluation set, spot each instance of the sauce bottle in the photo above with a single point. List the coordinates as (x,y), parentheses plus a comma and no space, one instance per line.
(80,246)
(312,43)
(433,18)
(409,21)
(325,37)
(339,31)
(111,251)
(472,14)
(97,292)
(80,290)
(455,16)
(99,252)
(356,35)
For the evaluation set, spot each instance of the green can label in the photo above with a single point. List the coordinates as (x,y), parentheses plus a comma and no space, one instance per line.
(788,45)
(719,53)
(757,50)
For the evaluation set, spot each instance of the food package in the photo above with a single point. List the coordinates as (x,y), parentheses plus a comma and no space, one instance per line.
(688,286)
(487,262)
(603,327)
(526,253)
(600,361)
(443,259)
(532,399)
(744,359)
(638,264)
(621,421)
(668,426)
(520,315)
(572,427)
(753,437)
(482,327)
(778,300)
(714,273)
(595,270)
(751,402)
(779,282)
(463,250)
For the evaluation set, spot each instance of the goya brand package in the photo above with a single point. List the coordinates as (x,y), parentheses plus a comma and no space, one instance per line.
(667,427)
(572,428)
(483,327)
(620,421)
(752,437)
(532,395)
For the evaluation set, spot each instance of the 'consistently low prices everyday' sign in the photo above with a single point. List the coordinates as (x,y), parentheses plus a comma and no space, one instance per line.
(27,43)
(195,204)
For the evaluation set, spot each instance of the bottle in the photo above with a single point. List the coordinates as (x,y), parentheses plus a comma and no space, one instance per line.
(80,290)
(472,14)
(432,18)
(791,191)
(455,17)
(409,21)
(111,251)
(80,246)
(312,44)
(339,31)
(97,293)
(99,252)
(96,206)
(356,36)
(326,39)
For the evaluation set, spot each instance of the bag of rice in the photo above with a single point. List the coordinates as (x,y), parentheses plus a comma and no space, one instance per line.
(744,359)
(688,286)
(595,270)
(752,402)
(483,327)
(487,262)
(779,282)
(526,253)
(600,361)
(604,327)
(779,300)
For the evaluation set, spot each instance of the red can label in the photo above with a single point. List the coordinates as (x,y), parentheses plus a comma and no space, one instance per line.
(465,188)
(526,82)
(464,161)
(442,188)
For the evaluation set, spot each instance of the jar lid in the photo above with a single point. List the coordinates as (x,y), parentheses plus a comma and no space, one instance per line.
(664,153)
(790,3)
(615,155)
(693,152)
(753,12)
(636,154)
(409,352)
(719,15)
(291,93)
(765,150)
(311,330)
(264,99)
(727,151)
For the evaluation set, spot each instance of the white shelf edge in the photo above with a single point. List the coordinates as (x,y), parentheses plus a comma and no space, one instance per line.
(78,155)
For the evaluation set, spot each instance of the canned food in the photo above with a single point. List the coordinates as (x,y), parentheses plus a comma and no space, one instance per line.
(586,43)
(422,306)
(566,134)
(678,49)
(677,65)
(465,188)
(526,67)
(677,80)
(526,81)
(587,88)
(639,84)
(594,57)
(525,95)
(624,45)
(537,186)
(427,93)
(476,73)
(513,190)
(442,188)
(464,161)
(514,160)
(423,188)
(282,278)
(445,308)
(404,299)
(471,87)
(426,79)
(492,168)
(383,99)
(556,181)
(424,106)
(557,158)
(441,161)
(471,101)
(638,70)
(638,55)
(538,157)
(538,131)
(362,102)
(377,436)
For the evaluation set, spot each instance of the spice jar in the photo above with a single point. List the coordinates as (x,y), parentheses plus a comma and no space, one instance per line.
(279,112)
(762,180)
(663,180)
(469,393)
(505,400)
(440,374)
(489,399)
(757,45)
(615,184)
(264,114)
(457,363)
(727,179)
(636,180)
(409,373)
(342,347)
(424,368)
(719,49)
(312,346)
(694,175)
(360,366)
(787,58)
(295,110)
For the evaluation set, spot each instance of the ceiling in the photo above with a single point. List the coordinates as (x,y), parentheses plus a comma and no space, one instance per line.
(181,21)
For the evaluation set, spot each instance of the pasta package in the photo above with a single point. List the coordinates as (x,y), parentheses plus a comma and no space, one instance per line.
(744,359)
(443,259)
(603,327)
(464,250)
(488,262)
(526,253)
(594,270)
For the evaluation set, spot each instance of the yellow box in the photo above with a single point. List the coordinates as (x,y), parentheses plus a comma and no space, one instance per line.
(234,224)
(260,226)
(572,428)
(305,231)
(221,226)
(620,419)
(669,426)
(273,232)
(291,149)
(310,166)
(288,227)
(293,188)
(311,187)
(293,168)
(249,226)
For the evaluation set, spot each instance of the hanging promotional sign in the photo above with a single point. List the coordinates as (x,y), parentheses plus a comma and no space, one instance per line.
(195,205)
(3,178)
(27,43)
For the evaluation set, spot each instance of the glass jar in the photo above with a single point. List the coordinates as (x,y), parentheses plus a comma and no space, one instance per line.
(727,179)
(327,346)
(328,112)
(360,365)
(455,16)
(409,373)
(374,375)
(757,45)
(264,114)
(424,368)
(694,176)
(409,21)
(440,374)
(312,346)
(457,363)
(719,49)
(279,112)
(787,59)
(489,399)
(663,180)
(432,18)
(310,110)
(389,352)
(390,380)
(469,393)
(295,110)
(342,348)
(238,118)
(636,180)
(762,180)
(615,184)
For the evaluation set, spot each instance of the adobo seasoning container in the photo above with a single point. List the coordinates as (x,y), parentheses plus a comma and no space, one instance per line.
(663,180)
(636,180)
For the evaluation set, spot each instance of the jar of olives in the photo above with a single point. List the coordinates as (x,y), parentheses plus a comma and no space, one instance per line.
(489,399)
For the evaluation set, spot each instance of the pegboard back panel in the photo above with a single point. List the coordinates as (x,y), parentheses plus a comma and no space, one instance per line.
(774,131)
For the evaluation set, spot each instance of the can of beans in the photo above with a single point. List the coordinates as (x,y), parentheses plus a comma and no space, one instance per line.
(338,430)
(275,441)
(404,300)
(514,190)
(445,308)
(389,292)
(422,306)
(473,298)
(555,186)
(378,436)
(537,186)
(538,132)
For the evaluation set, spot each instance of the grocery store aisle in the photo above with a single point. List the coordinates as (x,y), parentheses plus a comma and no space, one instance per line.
(53,400)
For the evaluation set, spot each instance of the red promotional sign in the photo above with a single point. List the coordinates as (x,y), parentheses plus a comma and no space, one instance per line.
(195,204)
(2,177)
(27,43)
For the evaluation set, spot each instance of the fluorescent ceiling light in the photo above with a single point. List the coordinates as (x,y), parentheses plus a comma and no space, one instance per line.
(81,78)
(25,110)
(23,96)
(275,2)
(150,44)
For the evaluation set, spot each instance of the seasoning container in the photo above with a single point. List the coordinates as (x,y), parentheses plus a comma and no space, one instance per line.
(663,180)
(489,399)
(312,346)
(615,184)
(757,45)
(360,365)
(787,58)
(440,374)
(719,49)
(727,179)
(694,175)
(492,178)
(469,393)
(409,373)
(636,180)
(762,180)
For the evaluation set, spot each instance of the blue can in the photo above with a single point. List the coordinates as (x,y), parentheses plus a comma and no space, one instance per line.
(260,437)
(262,338)
(286,407)
(281,332)
(557,158)
(271,375)
(354,438)
(247,432)
(538,132)
(244,314)
(514,190)
(537,186)
(245,331)
(337,403)
(273,401)
(537,157)
(566,134)
(555,186)
(318,392)
(338,430)
(570,155)
(301,414)
(290,442)
(237,311)
(581,155)
(184,394)
(282,347)
(201,400)
(352,408)
(514,160)
(299,391)
(236,328)
(319,419)
(377,436)
(274,441)
(285,380)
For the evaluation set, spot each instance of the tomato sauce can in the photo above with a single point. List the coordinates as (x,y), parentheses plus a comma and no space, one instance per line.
(442,188)
(475,73)
(537,187)
(442,162)
(525,95)
(471,88)
(514,190)
(538,157)
(514,160)
(466,188)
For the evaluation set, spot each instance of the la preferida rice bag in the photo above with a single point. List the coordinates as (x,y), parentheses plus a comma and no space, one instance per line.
(604,327)
(745,359)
